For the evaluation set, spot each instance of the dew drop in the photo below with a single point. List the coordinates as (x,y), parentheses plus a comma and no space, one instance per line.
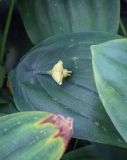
(35,117)
(97,124)
(72,40)
(30,143)
(5,129)
(19,122)
(41,131)
(55,4)
(32,81)
(120,140)
(100,96)
(14,142)
(105,129)
(75,58)
(37,137)
(33,141)
(55,99)
(60,28)
(44,132)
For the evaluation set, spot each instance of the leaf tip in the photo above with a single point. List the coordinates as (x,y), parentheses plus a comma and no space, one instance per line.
(64,126)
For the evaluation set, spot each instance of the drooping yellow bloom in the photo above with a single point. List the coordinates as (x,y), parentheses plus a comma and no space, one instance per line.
(59,73)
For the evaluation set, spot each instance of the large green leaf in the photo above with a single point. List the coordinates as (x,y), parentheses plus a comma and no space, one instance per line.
(43,18)
(110,71)
(77,97)
(84,153)
(1,114)
(97,152)
(33,136)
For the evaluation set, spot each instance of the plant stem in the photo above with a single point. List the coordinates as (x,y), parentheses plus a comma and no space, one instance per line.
(123,28)
(6,30)
(43,72)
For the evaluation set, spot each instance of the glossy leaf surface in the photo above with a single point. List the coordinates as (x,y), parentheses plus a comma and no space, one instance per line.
(97,152)
(44,18)
(110,72)
(77,97)
(32,135)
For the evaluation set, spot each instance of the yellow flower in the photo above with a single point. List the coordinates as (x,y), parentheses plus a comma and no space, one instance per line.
(59,73)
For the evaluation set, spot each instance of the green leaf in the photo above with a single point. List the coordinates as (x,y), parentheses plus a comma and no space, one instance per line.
(7,104)
(33,135)
(1,114)
(8,108)
(3,100)
(44,18)
(83,153)
(97,152)
(77,97)
(2,75)
(110,72)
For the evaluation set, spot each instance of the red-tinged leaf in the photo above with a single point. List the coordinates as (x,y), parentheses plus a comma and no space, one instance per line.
(34,135)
